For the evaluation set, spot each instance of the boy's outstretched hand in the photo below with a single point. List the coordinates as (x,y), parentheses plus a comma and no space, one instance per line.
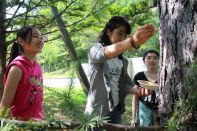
(143,33)
(143,92)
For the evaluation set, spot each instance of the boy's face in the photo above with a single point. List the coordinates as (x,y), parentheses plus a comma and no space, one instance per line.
(151,61)
(117,35)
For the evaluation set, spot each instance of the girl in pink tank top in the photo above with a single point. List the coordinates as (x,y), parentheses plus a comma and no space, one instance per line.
(23,80)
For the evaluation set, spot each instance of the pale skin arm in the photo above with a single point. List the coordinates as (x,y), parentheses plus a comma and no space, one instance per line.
(139,91)
(13,79)
(136,91)
(133,91)
(134,109)
(141,36)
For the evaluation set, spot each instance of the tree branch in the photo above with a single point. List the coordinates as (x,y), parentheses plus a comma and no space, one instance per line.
(20,4)
(89,14)
(26,14)
(27,11)
(57,15)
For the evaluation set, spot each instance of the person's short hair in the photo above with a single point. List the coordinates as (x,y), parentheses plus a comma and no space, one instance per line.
(150,51)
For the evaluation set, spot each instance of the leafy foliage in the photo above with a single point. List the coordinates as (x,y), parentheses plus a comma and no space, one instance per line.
(15,125)
(186,108)
(92,121)
(84,21)
(4,113)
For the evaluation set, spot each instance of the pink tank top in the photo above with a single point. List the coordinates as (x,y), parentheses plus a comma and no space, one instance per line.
(28,100)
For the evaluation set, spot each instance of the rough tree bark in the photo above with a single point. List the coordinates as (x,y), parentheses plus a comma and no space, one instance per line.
(69,45)
(3,47)
(178,45)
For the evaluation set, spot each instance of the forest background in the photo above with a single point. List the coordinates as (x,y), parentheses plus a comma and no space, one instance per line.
(83,20)
(70,27)
(55,59)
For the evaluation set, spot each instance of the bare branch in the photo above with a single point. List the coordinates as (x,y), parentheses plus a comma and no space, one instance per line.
(74,30)
(10,42)
(20,4)
(50,32)
(26,14)
(54,38)
(139,12)
(58,15)
(89,14)
(27,11)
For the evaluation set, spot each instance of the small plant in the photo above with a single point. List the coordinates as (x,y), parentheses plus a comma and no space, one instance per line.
(177,121)
(186,106)
(4,113)
(9,127)
(16,125)
(92,121)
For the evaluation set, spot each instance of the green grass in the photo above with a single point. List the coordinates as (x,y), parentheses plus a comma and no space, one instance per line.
(56,74)
(62,73)
(58,106)
(126,118)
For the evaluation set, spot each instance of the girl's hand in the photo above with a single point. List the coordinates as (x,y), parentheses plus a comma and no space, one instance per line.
(143,33)
(143,92)
(133,123)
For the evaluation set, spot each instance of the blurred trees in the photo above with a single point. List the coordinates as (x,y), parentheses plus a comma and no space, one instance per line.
(83,19)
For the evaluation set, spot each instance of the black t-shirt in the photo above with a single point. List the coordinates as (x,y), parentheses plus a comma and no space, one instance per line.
(150,100)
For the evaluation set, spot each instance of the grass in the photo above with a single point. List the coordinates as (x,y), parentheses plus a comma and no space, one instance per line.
(59,106)
(126,118)
(62,73)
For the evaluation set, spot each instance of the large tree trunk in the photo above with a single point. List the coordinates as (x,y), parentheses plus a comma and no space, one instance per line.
(178,39)
(69,45)
(3,47)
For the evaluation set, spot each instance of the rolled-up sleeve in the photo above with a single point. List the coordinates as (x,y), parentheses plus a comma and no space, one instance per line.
(96,54)
(129,83)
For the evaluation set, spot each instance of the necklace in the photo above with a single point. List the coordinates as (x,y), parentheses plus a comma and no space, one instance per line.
(151,76)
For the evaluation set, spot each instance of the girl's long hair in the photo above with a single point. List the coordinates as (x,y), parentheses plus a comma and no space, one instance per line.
(24,33)
(113,23)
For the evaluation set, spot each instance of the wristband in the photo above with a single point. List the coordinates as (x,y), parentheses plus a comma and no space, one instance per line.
(134,44)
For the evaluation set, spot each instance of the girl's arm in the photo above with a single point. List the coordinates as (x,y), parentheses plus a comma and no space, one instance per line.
(118,48)
(134,91)
(134,111)
(140,91)
(141,36)
(13,79)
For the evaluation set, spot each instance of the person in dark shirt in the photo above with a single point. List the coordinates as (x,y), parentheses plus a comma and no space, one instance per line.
(144,108)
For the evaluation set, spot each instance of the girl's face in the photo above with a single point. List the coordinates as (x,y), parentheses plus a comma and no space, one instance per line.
(151,61)
(36,44)
(117,35)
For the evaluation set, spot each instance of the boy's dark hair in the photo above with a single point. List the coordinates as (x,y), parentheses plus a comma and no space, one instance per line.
(150,51)
(24,33)
(113,23)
